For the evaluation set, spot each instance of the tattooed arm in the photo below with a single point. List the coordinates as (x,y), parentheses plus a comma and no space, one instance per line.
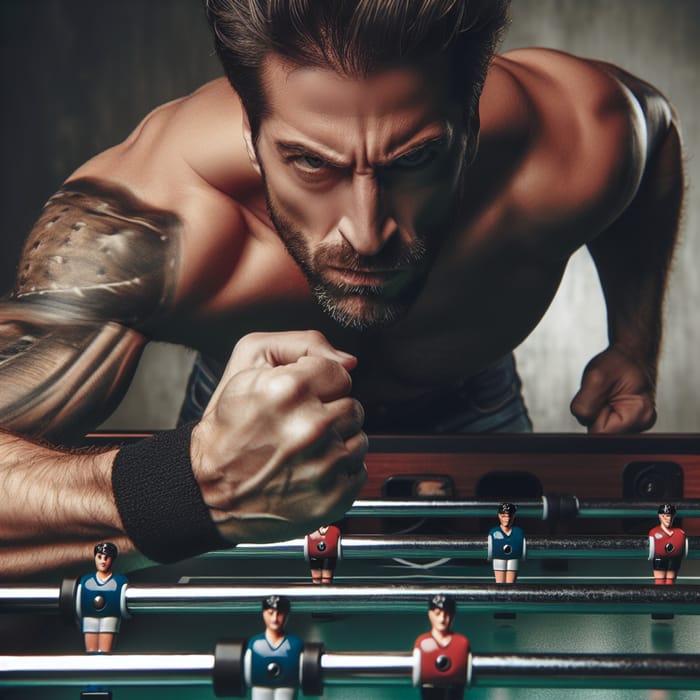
(278,452)
(97,266)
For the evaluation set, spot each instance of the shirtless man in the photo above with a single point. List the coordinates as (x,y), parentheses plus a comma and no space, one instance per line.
(382,180)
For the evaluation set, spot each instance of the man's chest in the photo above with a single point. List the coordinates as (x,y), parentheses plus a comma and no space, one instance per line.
(469,314)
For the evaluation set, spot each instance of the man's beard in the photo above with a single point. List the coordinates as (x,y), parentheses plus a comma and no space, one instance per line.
(358,307)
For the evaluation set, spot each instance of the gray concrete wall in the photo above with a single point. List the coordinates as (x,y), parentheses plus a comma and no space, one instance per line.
(78,75)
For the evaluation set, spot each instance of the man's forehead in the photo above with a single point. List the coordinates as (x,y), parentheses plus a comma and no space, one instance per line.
(391,106)
(326,90)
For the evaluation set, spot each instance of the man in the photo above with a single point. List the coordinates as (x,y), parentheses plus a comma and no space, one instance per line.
(379,178)
(667,546)
(441,657)
(273,659)
(506,545)
(100,601)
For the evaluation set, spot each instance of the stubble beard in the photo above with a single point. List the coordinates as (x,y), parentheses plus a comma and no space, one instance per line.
(358,307)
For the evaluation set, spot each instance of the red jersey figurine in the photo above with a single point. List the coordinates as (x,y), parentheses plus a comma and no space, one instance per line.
(441,657)
(667,546)
(322,549)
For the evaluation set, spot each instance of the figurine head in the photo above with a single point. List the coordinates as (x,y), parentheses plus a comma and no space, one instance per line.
(105,553)
(441,612)
(506,513)
(667,512)
(275,610)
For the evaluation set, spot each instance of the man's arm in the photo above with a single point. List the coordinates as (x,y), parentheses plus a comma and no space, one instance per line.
(633,257)
(278,452)
(97,267)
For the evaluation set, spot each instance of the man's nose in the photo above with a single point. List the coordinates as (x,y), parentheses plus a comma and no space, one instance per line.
(367,225)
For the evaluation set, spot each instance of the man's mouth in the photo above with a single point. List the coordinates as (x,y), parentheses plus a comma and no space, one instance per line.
(370,277)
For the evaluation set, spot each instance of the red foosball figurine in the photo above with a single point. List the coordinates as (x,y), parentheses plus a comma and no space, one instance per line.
(441,657)
(667,546)
(322,549)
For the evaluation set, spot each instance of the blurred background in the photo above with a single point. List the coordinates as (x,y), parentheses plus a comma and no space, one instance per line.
(78,75)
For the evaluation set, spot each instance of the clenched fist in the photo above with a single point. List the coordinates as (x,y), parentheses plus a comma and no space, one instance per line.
(280,447)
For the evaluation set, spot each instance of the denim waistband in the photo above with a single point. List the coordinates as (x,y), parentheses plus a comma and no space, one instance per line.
(491,401)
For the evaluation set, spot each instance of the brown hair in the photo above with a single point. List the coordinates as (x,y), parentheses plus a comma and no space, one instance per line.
(355,38)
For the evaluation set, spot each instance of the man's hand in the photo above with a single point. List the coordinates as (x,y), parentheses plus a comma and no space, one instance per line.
(616,395)
(280,448)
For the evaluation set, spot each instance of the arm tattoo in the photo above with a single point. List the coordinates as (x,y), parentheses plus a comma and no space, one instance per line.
(98,253)
(97,267)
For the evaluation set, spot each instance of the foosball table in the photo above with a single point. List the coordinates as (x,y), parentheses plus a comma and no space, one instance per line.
(584,618)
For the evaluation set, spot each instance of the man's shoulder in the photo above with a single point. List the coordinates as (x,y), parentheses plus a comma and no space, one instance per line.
(581,127)
(196,138)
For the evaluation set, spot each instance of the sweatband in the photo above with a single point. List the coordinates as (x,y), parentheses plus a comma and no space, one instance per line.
(159,500)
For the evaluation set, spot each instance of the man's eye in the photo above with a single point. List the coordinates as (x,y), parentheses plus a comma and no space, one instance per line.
(415,159)
(309,163)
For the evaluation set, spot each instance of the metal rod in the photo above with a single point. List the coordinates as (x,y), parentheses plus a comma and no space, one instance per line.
(591,598)
(17,598)
(587,671)
(413,546)
(157,669)
(390,508)
(542,508)
(669,671)
(678,599)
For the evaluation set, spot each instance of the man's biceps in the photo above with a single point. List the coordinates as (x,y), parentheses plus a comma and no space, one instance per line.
(61,380)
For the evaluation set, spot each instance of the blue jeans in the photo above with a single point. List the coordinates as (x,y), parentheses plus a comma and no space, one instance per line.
(489,402)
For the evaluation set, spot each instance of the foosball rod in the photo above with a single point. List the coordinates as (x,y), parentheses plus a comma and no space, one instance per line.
(431,546)
(658,671)
(522,598)
(552,507)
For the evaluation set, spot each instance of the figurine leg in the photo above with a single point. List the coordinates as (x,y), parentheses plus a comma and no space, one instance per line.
(92,642)
(106,641)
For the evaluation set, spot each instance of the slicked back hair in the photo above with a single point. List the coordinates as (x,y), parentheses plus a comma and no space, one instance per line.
(356,38)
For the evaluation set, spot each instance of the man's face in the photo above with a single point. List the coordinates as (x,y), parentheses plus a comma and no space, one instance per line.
(440,620)
(362,179)
(103,563)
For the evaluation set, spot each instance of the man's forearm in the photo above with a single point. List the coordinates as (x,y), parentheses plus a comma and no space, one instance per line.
(53,502)
(633,256)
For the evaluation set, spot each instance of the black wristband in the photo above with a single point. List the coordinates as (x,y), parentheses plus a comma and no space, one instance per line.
(159,500)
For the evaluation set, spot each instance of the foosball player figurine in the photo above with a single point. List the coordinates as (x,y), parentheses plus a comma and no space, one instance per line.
(506,545)
(322,549)
(100,601)
(667,546)
(273,659)
(441,657)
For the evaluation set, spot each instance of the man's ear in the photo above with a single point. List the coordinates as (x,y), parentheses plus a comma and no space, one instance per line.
(248,139)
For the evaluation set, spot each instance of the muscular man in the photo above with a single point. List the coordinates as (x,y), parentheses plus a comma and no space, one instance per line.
(375,175)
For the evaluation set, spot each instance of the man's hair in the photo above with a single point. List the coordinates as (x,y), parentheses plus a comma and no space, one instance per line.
(356,38)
